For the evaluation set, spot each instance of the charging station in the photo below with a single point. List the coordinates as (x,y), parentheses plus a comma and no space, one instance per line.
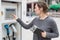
(9,8)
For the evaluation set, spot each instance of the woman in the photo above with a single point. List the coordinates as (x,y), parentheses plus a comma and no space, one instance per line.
(44,22)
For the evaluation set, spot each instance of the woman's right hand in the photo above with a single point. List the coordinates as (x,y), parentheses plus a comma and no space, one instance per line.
(43,34)
(15,17)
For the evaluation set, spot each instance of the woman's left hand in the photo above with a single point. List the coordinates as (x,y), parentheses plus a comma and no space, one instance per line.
(43,34)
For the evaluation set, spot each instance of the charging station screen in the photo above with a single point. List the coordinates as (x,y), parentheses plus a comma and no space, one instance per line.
(9,13)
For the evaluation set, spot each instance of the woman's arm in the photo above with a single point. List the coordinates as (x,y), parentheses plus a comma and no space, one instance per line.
(22,23)
(25,25)
(54,29)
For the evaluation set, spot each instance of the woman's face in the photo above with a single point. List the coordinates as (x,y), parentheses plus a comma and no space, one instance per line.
(37,10)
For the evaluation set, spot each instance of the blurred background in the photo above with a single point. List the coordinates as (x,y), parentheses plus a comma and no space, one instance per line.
(24,9)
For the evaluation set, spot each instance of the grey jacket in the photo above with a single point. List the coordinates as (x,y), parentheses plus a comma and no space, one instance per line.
(48,25)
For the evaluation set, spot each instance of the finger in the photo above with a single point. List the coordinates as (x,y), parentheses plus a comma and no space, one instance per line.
(13,15)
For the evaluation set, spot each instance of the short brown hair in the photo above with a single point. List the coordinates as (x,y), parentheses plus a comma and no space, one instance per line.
(43,5)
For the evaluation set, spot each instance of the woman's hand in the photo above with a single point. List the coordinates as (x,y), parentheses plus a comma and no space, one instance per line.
(15,17)
(43,34)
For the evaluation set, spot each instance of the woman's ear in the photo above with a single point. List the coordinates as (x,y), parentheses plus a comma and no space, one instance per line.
(41,9)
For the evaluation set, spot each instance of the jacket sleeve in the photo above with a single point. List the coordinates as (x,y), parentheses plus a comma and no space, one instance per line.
(54,29)
(24,25)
